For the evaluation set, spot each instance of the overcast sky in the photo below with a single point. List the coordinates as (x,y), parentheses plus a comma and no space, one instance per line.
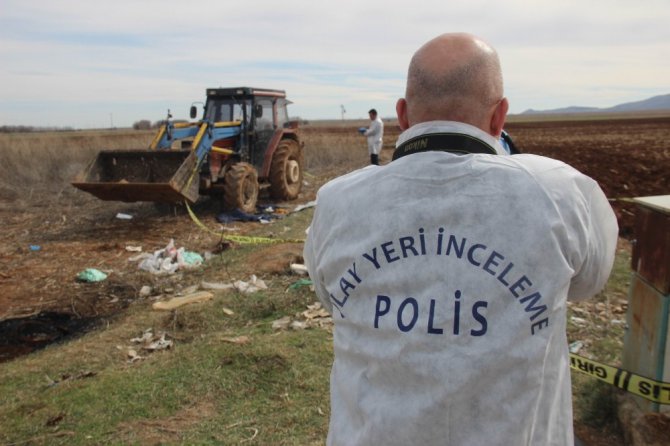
(97,63)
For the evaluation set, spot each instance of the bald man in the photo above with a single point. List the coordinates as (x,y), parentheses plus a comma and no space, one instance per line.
(448,285)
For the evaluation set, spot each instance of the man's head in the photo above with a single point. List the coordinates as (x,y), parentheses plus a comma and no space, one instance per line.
(373,114)
(455,77)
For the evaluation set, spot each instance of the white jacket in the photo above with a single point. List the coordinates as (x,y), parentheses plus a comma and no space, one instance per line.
(448,287)
(375,134)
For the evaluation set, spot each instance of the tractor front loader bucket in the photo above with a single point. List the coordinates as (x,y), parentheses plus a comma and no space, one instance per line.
(166,176)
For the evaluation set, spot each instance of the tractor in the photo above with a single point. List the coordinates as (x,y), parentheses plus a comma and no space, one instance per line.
(244,142)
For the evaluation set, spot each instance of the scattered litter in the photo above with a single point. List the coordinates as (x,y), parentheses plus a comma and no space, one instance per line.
(241,340)
(147,336)
(281,324)
(301,283)
(130,248)
(189,290)
(149,342)
(138,257)
(298,325)
(314,317)
(228,311)
(255,284)
(122,216)
(176,302)
(300,207)
(168,260)
(35,247)
(580,322)
(578,310)
(91,275)
(145,291)
(216,286)
(315,311)
(133,356)
(160,344)
(298,268)
(576,346)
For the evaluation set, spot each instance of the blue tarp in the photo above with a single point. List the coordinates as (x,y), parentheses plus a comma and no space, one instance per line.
(238,215)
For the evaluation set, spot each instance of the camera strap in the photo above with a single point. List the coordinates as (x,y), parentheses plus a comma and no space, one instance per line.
(456,143)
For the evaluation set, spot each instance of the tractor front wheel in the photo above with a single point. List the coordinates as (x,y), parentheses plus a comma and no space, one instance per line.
(240,189)
(286,171)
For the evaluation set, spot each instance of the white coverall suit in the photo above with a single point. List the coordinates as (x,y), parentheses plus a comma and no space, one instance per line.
(450,317)
(375,134)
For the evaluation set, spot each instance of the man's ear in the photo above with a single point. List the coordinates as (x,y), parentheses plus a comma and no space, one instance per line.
(401,111)
(498,117)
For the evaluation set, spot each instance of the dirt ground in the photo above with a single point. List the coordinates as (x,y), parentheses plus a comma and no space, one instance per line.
(48,238)
(52,232)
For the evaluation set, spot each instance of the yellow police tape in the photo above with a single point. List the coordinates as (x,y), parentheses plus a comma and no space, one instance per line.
(242,239)
(652,390)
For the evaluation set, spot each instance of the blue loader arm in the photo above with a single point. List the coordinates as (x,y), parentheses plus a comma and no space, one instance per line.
(204,134)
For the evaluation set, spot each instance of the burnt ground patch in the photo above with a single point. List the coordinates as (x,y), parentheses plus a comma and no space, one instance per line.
(25,335)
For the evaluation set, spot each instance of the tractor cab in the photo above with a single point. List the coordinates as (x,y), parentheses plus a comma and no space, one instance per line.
(262,113)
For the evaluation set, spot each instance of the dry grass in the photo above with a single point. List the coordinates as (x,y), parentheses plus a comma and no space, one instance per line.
(53,159)
(334,151)
(56,157)
(334,147)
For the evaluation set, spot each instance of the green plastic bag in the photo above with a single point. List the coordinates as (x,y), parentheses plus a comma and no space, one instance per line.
(300,283)
(91,275)
(192,258)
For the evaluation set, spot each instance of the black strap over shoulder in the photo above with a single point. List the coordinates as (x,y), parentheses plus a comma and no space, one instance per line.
(457,143)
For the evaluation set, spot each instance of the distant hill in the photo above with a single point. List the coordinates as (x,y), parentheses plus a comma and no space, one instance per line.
(661,102)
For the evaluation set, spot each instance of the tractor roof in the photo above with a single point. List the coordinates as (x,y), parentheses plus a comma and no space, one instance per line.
(245,91)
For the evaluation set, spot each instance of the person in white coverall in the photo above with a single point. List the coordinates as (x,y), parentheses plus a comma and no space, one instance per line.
(450,315)
(375,134)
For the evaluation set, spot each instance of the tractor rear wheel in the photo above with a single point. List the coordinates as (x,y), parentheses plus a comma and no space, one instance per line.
(240,190)
(286,171)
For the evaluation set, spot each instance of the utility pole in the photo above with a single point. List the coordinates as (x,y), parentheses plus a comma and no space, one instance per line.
(343,111)
(111,120)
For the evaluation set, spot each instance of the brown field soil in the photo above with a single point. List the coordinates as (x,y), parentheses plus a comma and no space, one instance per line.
(74,231)
(628,157)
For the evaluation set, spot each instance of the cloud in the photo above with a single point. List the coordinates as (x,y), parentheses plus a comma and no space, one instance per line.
(154,54)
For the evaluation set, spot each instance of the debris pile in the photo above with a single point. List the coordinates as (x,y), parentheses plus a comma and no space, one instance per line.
(168,260)
(149,342)
(314,317)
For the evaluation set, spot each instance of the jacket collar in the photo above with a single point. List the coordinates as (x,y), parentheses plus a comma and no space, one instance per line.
(451,136)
